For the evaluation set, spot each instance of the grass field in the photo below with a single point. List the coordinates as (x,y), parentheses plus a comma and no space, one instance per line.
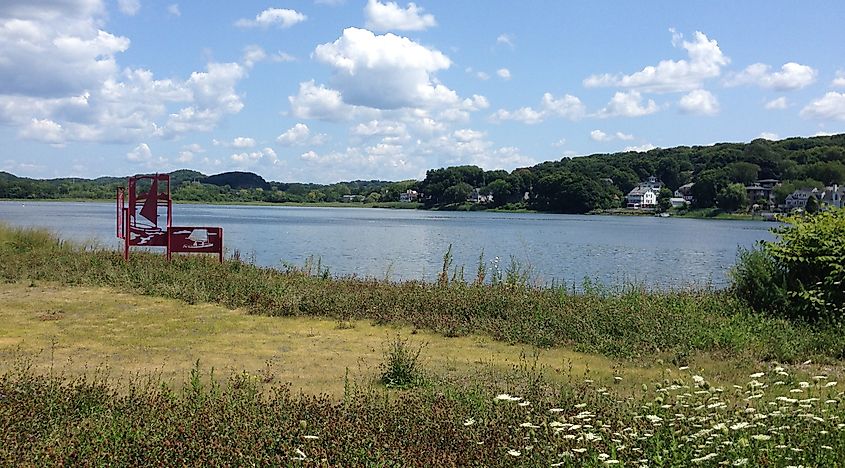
(104,362)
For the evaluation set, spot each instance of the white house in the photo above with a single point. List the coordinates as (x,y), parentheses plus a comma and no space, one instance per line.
(409,196)
(645,194)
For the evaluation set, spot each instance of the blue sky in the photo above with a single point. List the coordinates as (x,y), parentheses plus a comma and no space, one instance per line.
(330,90)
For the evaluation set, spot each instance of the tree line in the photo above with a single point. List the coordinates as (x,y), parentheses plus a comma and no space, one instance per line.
(571,185)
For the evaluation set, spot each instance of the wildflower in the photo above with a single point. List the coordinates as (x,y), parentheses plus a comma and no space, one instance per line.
(300,455)
(698,379)
(556,410)
(529,425)
(761,437)
(506,397)
(579,450)
(740,462)
(611,462)
(705,458)
(469,422)
(580,405)
(739,425)
(819,377)
(804,384)
(310,437)
(827,447)
(832,383)
(617,378)
(808,361)
(757,375)
(524,403)
(654,418)
(683,368)
(514,453)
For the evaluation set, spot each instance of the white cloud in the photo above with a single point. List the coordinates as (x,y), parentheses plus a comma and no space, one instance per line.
(628,104)
(699,102)
(385,71)
(769,136)
(280,17)
(43,130)
(598,135)
(129,7)
(777,103)
(319,102)
(567,106)
(791,76)
(141,153)
(173,10)
(243,142)
(390,16)
(561,142)
(506,39)
(705,61)
(839,81)
(504,73)
(299,135)
(640,148)
(265,156)
(831,106)
(214,97)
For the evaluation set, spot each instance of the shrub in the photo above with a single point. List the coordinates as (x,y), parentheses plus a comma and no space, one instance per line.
(801,274)
(760,281)
(401,363)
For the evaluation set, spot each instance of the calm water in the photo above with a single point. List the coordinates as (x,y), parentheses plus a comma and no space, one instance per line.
(407,244)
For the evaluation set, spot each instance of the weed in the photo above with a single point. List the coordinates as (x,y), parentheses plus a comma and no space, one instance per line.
(401,367)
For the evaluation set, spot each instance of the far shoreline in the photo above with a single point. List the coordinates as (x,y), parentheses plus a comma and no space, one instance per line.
(705,214)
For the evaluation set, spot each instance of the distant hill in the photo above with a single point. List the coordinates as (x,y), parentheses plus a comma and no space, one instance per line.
(238,180)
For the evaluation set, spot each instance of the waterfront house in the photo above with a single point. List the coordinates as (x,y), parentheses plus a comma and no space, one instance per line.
(685,192)
(834,196)
(351,198)
(409,196)
(762,190)
(798,199)
(644,195)
(477,197)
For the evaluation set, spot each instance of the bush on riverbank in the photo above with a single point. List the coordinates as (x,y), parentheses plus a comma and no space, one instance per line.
(802,274)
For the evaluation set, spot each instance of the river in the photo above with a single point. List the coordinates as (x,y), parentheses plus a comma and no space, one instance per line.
(409,244)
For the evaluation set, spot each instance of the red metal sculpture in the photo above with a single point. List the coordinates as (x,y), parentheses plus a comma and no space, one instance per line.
(138,223)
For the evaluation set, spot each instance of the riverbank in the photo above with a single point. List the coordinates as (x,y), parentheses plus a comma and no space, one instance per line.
(196,362)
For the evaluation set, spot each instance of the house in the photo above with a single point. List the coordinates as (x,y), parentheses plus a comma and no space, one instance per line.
(685,192)
(351,198)
(798,199)
(409,196)
(477,197)
(645,194)
(834,197)
(762,189)
(678,202)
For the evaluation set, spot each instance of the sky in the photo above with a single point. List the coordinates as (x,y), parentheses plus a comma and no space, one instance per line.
(331,90)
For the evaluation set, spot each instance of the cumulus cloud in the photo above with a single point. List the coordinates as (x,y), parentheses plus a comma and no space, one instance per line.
(567,106)
(628,104)
(791,76)
(778,103)
(381,128)
(141,153)
(839,81)
(279,17)
(640,148)
(769,136)
(390,16)
(831,106)
(504,73)
(699,102)
(243,142)
(265,156)
(299,135)
(129,7)
(598,135)
(705,61)
(385,71)
(173,10)
(318,102)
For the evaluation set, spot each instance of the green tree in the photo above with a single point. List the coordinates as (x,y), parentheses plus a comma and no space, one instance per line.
(708,184)
(732,197)
(743,172)
(664,201)
(457,193)
(500,190)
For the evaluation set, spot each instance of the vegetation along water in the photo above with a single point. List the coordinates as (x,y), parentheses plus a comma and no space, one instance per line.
(685,377)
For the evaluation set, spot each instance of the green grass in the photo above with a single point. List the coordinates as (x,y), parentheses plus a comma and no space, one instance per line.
(632,323)
(503,419)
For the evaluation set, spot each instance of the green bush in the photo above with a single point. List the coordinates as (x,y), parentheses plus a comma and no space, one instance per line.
(401,367)
(801,274)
